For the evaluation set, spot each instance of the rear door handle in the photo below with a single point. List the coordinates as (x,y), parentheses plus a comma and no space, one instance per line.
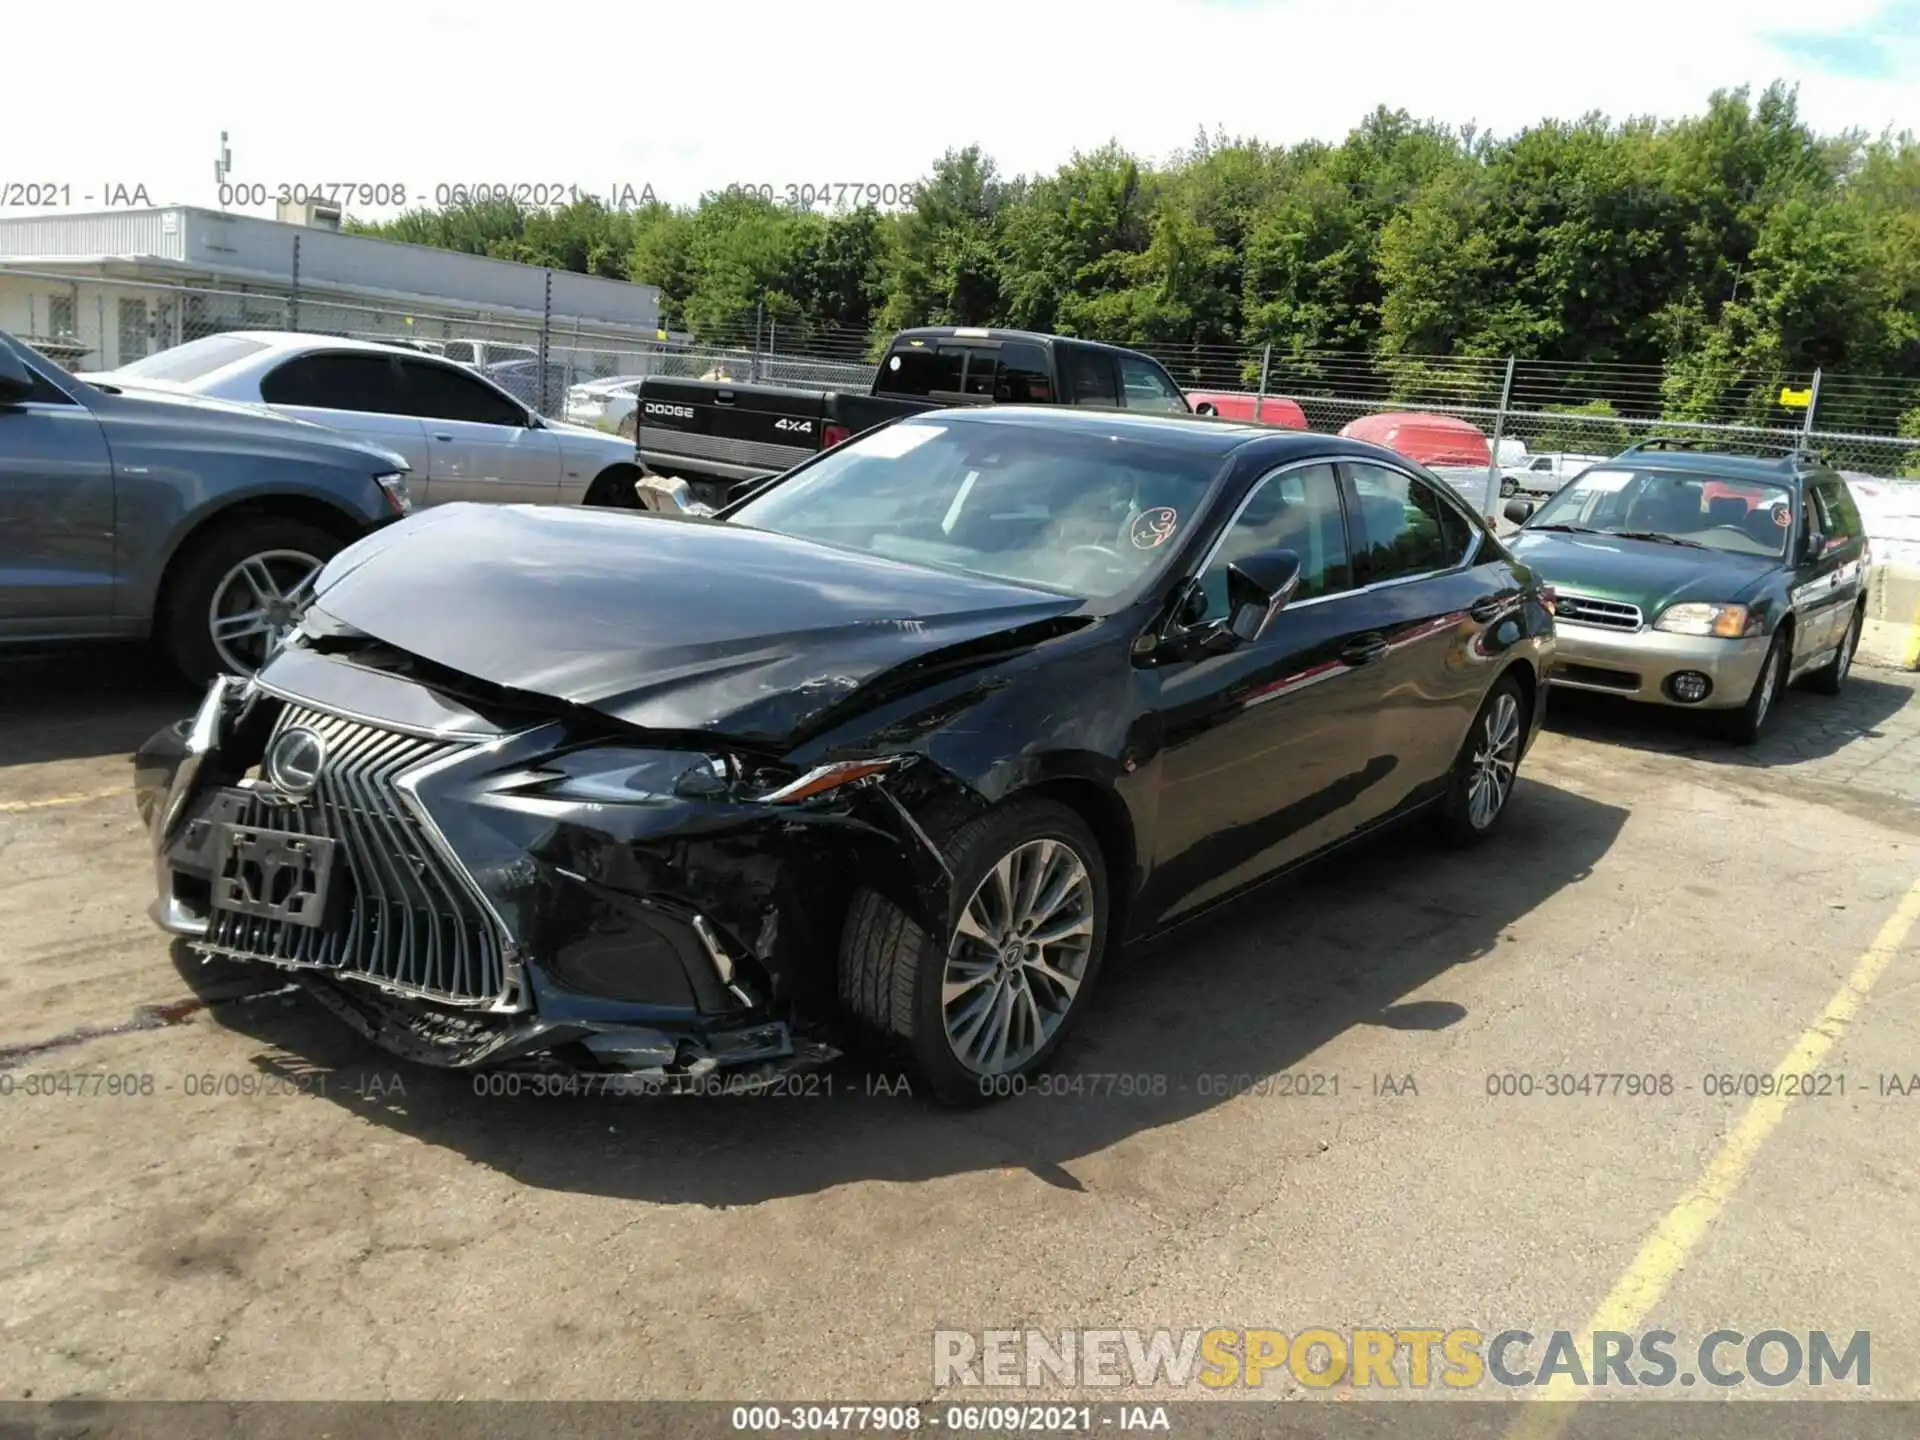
(723,397)
(1364,649)
(1486,607)
(438,436)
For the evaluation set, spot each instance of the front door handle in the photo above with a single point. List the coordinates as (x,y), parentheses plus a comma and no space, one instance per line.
(1486,608)
(1364,649)
(448,438)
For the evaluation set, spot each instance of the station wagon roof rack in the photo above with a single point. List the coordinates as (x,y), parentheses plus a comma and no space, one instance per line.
(1795,454)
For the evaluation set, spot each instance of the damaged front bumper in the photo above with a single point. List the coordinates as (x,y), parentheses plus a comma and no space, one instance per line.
(471,892)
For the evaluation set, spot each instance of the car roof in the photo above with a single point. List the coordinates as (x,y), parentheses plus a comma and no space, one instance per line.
(294,340)
(1204,434)
(995,333)
(1786,469)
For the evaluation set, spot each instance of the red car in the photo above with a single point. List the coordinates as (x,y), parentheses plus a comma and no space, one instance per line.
(1428,439)
(1238,405)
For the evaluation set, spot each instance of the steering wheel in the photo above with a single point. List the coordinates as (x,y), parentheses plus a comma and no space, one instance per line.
(1101,550)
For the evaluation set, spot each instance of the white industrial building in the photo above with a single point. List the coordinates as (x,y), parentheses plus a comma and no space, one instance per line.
(97,290)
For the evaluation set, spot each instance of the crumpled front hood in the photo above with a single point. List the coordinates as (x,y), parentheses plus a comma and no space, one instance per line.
(1637,572)
(663,623)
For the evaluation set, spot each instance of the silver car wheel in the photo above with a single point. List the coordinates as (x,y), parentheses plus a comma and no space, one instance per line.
(1769,682)
(1018,956)
(1496,757)
(1847,648)
(256,603)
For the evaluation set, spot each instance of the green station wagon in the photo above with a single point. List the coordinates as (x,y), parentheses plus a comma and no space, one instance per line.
(1702,579)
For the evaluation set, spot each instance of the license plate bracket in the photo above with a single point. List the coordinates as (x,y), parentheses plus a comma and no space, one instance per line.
(272,874)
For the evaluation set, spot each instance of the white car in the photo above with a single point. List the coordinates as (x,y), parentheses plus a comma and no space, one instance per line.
(607,404)
(1545,473)
(464,437)
(479,354)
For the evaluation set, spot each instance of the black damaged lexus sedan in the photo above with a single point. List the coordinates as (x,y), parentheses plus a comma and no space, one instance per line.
(910,738)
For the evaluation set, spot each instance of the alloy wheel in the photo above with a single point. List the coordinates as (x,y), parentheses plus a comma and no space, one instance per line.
(1769,682)
(1847,645)
(1018,956)
(1496,756)
(257,603)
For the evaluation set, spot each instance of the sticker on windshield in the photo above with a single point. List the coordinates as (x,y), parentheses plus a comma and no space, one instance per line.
(1782,516)
(896,440)
(1153,527)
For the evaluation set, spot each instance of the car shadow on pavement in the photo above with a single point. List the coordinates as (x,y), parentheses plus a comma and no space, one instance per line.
(1177,1026)
(1805,726)
(73,704)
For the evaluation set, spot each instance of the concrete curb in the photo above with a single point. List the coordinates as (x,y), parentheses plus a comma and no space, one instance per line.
(1891,635)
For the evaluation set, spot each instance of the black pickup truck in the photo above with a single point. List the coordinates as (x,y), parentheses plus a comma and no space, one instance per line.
(715,434)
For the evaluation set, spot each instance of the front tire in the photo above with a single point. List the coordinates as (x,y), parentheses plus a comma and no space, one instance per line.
(1832,676)
(237,594)
(991,999)
(1480,786)
(1745,725)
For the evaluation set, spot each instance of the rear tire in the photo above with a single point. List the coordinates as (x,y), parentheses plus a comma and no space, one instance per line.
(227,576)
(1022,871)
(612,489)
(1745,725)
(1480,788)
(1830,677)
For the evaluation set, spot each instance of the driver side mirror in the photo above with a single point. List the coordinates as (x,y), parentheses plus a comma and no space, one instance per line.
(1814,546)
(1258,587)
(16,381)
(1518,511)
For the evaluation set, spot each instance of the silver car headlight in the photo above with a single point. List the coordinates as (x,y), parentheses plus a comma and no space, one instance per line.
(393,485)
(1730,622)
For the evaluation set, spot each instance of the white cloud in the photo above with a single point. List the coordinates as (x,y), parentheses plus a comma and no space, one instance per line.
(688,97)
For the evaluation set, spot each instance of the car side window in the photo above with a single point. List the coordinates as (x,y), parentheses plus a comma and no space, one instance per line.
(1088,375)
(1401,526)
(44,391)
(371,384)
(1146,388)
(1297,510)
(442,392)
(1024,377)
(1834,511)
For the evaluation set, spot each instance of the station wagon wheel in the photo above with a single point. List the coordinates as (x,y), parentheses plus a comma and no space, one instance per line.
(1744,725)
(1487,765)
(1831,676)
(986,1002)
(236,590)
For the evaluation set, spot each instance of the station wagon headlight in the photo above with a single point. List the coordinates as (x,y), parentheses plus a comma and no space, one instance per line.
(1730,622)
(394,486)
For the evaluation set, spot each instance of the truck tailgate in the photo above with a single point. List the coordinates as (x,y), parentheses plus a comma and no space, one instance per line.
(734,432)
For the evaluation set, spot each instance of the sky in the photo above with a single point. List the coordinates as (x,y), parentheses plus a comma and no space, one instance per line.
(617,100)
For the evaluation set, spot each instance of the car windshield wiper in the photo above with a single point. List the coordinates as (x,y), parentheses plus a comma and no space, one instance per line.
(1569,529)
(1658,538)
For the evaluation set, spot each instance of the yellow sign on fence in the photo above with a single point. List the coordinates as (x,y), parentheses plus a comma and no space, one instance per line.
(1797,399)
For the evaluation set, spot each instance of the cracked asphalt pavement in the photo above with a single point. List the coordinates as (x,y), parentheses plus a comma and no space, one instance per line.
(277,1210)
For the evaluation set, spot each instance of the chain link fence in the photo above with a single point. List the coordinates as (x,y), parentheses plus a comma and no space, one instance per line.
(1542,420)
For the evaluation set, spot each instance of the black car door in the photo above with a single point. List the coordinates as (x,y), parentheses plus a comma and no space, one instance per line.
(1436,589)
(1269,750)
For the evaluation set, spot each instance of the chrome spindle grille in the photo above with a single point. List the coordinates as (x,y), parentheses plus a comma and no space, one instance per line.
(408,920)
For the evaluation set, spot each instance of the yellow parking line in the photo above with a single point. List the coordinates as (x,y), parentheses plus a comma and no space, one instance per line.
(13,807)
(1639,1289)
